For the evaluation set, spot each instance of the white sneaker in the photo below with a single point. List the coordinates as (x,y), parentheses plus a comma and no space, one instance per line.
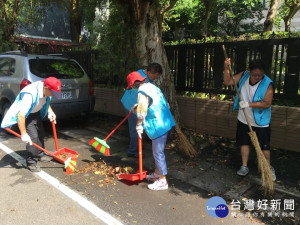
(152,177)
(159,185)
(273,173)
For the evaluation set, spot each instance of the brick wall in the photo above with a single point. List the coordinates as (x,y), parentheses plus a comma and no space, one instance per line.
(216,117)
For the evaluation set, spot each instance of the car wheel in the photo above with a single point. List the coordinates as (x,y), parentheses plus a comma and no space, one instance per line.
(5,108)
(84,117)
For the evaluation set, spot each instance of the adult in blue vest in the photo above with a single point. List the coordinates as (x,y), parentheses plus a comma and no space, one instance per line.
(155,117)
(256,90)
(129,100)
(28,110)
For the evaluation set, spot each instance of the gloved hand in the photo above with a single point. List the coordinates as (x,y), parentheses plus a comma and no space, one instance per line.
(243,104)
(133,107)
(139,129)
(25,138)
(52,116)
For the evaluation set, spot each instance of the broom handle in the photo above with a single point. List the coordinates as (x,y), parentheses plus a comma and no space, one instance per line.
(113,131)
(237,90)
(55,135)
(34,144)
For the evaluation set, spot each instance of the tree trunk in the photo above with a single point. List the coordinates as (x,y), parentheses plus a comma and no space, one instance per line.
(268,24)
(209,4)
(294,7)
(76,14)
(149,45)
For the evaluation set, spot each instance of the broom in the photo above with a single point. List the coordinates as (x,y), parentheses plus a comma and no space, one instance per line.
(263,165)
(70,165)
(101,145)
(185,144)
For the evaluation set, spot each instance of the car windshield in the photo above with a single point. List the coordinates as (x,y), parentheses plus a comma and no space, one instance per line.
(62,69)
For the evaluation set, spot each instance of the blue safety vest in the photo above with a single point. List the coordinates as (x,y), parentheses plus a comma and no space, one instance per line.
(262,117)
(11,117)
(159,119)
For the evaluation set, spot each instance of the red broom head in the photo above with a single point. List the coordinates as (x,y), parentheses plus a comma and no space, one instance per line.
(92,141)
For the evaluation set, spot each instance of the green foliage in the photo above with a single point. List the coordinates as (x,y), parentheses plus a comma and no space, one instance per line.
(27,14)
(30,13)
(114,41)
(89,12)
(236,17)
(243,37)
(287,10)
(230,17)
(4,45)
(183,18)
(221,97)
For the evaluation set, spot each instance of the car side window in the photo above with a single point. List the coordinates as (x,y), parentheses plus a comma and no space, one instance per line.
(7,66)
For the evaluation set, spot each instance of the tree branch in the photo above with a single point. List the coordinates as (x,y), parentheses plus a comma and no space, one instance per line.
(168,7)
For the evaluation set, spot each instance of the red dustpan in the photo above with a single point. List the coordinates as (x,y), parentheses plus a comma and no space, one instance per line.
(140,175)
(56,157)
(63,153)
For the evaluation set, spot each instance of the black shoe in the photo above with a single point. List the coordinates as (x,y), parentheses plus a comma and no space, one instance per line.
(34,168)
(45,158)
(135,155)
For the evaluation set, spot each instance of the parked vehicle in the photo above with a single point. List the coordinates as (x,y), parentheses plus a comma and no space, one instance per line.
(18,69)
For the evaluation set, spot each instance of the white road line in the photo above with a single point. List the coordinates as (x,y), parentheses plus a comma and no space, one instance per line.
(91,207)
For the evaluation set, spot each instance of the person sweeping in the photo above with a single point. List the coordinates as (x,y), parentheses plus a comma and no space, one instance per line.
(154,116)
(256,91)
(129,100)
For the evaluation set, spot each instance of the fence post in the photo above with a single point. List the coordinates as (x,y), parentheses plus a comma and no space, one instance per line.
(218,67)
(241,58)
(291,79)
(181,67)
(199,67)
(266,52)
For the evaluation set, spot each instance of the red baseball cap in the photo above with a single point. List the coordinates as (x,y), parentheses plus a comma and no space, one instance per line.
(54,85)
(132,77)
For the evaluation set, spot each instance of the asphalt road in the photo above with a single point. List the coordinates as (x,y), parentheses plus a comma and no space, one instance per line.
(29,198)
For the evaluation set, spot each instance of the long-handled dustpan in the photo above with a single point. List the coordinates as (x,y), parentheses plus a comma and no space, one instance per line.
(68,162)
(263,165)
(101,145)
(63,153)
(140,175)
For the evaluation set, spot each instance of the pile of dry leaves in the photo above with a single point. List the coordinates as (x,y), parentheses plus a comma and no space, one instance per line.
(101,168)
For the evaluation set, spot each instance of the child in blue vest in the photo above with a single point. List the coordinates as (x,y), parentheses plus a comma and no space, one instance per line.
(153,116)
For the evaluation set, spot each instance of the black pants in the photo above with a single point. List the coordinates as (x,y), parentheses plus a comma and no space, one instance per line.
(35,130)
